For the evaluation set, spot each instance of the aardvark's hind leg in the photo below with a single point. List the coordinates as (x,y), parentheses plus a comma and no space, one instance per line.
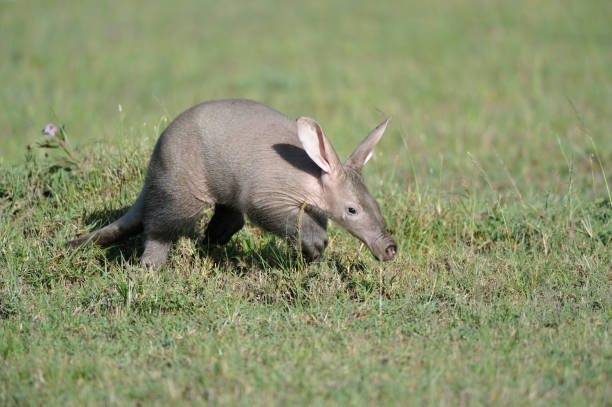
(155,252)
(223,225)
(166,217)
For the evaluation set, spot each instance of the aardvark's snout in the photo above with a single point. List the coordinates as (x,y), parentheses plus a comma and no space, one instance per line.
(384,248)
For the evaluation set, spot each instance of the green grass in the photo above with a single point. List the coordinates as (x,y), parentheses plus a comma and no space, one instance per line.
(491,176)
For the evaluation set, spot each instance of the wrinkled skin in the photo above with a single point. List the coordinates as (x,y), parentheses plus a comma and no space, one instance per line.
(249,160)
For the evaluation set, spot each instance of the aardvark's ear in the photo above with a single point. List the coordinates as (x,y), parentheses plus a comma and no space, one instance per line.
(317,145)
(364,151)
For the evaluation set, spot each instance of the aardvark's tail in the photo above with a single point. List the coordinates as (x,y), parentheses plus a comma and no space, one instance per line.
(129,224)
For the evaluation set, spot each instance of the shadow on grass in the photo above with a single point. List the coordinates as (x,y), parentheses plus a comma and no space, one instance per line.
(267,253)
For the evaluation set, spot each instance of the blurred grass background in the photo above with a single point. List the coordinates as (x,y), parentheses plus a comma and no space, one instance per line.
(515,84)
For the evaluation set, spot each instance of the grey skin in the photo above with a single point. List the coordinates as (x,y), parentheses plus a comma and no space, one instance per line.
(248,159)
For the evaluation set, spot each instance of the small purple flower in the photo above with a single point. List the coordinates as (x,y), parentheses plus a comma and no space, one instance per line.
(50,129)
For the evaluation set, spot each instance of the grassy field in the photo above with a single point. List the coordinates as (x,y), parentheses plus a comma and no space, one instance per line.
(491,176)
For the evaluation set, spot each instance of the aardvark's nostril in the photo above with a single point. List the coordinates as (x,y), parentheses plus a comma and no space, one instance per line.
(390,251)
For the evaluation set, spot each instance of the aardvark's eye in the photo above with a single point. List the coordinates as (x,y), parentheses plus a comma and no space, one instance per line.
(352,210)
